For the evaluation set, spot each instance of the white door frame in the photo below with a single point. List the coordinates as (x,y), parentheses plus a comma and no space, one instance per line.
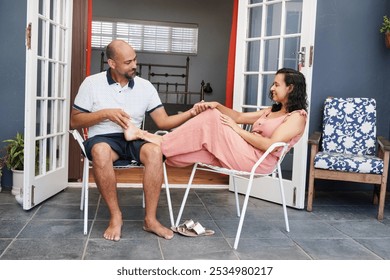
(295,188)
(47,98)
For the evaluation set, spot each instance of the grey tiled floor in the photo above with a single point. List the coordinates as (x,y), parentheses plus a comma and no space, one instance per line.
(342,226)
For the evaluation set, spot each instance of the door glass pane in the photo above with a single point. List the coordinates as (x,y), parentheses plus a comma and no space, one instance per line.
(253,51)
(40,74)
(291,49)
(41,37)
(251,89)
(293,16)
(268,80)
(271,54)
(51,79)
(255,18)
(274,17)
(50,117)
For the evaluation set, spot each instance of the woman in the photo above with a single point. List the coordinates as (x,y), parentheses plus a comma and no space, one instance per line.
(215,137)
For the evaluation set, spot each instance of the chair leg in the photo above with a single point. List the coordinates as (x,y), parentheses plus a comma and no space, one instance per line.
(310,192)
(382,197)
(236,196)
(283,198)
(168,195)
(85,194)
(183,203)
(243,210)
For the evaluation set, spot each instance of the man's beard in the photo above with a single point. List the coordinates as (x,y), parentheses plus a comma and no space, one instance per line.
(130,77)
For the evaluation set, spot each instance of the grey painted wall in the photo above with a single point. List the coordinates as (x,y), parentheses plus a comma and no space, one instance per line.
(350,56)
(12,71)
(214,21)
(351,60)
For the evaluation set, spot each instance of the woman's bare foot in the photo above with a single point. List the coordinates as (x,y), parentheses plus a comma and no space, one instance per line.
(114,230)
(158,229)
(132,132)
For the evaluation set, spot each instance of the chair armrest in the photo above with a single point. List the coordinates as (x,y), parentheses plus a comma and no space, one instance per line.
(384,143)
(314,139)
(76,135)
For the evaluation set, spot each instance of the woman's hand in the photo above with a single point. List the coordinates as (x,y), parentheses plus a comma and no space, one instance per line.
(203,106)
(226,120)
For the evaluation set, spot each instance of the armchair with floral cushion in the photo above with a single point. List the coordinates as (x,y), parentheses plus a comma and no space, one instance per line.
(350,149)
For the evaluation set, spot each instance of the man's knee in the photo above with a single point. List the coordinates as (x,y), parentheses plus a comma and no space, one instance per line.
(151,153)
(101,153)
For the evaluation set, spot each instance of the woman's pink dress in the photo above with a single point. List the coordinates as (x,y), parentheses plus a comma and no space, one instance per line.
(205,139)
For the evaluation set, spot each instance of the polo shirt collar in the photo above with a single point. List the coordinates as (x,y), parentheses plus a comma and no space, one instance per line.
(111,81)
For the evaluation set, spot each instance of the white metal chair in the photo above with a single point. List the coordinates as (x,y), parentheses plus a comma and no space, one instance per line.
(120,165)
(249,176)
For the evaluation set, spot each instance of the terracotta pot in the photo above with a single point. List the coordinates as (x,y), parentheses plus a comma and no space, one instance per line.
(387,39)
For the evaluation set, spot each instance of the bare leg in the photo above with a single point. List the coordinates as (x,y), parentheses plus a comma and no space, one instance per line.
(105,179)
(134,133)
(151,157)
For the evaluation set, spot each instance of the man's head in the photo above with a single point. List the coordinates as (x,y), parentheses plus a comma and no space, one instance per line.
(122,59)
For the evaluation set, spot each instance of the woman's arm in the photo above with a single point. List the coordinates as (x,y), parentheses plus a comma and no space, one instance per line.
(294,125)
(238,117)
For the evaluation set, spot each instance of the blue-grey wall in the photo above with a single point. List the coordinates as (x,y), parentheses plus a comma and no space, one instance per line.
(12,71)
(351,59)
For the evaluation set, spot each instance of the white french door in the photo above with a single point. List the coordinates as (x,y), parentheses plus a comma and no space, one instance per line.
(48,60)
(272,34)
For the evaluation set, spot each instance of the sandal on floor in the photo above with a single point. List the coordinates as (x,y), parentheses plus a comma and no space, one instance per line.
(191,229)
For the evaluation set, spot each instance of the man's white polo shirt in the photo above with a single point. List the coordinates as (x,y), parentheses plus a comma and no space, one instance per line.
(100,91)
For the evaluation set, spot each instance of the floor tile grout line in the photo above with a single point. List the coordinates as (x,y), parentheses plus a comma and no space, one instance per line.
(20,231)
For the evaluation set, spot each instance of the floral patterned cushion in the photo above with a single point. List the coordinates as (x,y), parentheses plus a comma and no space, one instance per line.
(348,162)
(349,136)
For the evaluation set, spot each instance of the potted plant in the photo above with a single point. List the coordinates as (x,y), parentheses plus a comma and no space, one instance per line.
(14,160)
(386,29)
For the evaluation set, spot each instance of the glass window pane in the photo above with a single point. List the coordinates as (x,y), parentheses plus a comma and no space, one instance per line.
(255,1)
(41,37)
(251,89)
(268,80)
(255,18)
(271,55)
(40,75)
(253,53)
(293,17)
(291,49)
(274,17)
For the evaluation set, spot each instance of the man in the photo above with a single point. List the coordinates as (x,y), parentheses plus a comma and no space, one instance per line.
(106,103)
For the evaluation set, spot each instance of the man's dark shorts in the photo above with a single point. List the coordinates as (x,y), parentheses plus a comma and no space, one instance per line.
(126,150)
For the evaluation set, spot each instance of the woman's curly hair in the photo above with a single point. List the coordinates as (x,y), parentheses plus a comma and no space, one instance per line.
(297,99)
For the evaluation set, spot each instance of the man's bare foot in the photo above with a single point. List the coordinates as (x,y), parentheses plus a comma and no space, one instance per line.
(159,230)
(114,230)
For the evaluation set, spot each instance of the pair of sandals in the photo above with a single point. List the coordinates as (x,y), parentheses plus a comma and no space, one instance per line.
(191,229)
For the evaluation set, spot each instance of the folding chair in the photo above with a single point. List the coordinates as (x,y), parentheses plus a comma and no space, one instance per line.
(120,164)
(249,176)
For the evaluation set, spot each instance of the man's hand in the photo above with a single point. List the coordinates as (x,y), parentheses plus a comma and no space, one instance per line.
(118,116)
